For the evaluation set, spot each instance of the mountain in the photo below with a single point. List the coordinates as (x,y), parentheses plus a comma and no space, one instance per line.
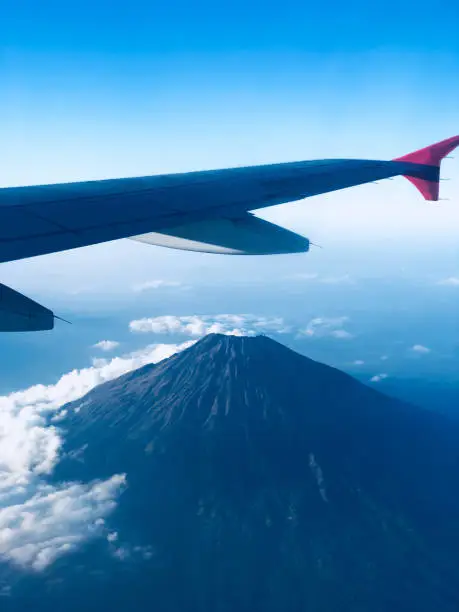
(259,480)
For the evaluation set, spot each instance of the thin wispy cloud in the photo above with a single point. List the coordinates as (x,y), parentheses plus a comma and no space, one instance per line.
(325,280)
(321,327)
(341,333)
(303,276)
(155,284)
(452,281)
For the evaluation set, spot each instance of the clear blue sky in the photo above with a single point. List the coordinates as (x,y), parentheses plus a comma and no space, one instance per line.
(95,89)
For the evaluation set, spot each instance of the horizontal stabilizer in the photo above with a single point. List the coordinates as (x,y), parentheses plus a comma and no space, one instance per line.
(243,235)
(431,157)
(20,313)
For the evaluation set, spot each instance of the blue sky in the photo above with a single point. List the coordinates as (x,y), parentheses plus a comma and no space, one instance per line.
(113,89)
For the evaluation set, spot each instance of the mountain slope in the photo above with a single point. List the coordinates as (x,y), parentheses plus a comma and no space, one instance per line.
(262,480)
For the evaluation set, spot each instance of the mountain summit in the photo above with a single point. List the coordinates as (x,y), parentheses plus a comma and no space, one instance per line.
(260,480)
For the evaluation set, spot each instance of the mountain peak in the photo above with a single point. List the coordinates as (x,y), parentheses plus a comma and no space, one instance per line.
(223,349)
(256,342)
(265,480)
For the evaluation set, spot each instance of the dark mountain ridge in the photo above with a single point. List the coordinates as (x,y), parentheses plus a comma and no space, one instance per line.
(265,481)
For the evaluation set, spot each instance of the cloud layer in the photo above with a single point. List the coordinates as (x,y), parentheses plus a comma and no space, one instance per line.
(40,523)
(240,325)
(197,326)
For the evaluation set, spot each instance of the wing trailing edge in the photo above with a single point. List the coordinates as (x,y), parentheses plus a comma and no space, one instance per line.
(242,235)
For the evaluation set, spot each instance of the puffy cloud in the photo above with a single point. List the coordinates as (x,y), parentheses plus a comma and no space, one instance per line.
(420,349)
(358,362)
(37,529)
(320,327)
(452,281)
(40,522)
(106,345)
(155,284)
(379,378)
(197,326)
(31,402)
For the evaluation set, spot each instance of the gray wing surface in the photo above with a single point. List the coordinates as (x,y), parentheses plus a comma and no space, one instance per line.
(50,218)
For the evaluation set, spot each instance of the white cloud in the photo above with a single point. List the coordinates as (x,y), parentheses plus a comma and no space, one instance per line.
(155,284)
(40,522)
(112,537)
(358,362)
(384,357)
(320,327)
(379,377)
(37,529)
(200,325)
(420,349)
(452,281)
(59,416)
(106,345)
(73,385)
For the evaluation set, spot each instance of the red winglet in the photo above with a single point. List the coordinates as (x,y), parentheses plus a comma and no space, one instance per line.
(429,156)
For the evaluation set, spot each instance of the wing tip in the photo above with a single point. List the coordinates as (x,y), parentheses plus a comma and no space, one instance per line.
(431,157)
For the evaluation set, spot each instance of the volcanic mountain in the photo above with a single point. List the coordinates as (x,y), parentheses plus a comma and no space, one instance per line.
(260,480)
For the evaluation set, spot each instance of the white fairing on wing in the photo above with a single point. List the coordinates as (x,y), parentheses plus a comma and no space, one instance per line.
(20,313)
(244,235)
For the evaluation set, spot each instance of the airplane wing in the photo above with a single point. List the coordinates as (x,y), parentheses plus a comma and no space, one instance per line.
(49,218)
(205,211)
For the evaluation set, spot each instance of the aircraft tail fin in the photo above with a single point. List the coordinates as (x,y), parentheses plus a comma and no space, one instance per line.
(428,182)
